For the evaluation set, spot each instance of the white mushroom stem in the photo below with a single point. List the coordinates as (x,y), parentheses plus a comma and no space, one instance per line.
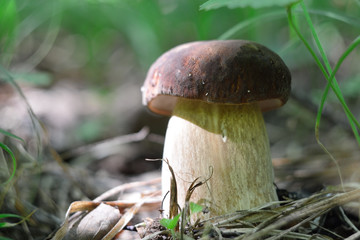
(231,141)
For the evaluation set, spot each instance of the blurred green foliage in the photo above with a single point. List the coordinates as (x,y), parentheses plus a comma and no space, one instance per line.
(89,39)
(109,43)
(148,27)
(8,20)
(214,4)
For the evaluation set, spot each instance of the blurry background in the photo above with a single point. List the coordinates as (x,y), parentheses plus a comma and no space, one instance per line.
(80,66)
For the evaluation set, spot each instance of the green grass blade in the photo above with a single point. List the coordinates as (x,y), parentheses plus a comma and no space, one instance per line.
(10,215)
(214,4)
(351,47)
(331,82)
(278,14)
(8,150)
(6,215)
(49,40)
(6,133)
(307,45)
(353,125)
(8,23)
(4,74)
(336,16)
(325,73)
(330,77)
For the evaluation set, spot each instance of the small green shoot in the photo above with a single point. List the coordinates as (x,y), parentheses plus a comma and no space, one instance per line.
(170,224)
(7,224)
(10,224)
(195,208)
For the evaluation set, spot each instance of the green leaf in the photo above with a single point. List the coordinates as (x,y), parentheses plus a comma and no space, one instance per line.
(195,208)
(275,14)
(165,222)
(170,223)
(214,4)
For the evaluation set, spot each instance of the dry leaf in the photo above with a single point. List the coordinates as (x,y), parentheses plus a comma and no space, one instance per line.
(94,225)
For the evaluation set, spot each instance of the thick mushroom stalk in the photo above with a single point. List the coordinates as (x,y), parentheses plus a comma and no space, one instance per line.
(228,143)
(215,92)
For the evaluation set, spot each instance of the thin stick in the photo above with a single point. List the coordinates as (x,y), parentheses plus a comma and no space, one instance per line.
(126,186)
(107,147)
(329,203)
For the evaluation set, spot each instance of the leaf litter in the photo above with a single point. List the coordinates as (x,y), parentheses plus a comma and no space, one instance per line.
(332,213)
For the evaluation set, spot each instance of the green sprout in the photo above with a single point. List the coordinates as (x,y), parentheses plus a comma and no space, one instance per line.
(171,224)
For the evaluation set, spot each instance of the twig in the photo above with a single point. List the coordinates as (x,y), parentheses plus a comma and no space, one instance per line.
(123,187)
(109,147)
(319,206)
(117,190)
(354,236)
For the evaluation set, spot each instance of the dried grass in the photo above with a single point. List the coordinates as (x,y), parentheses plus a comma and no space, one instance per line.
(304,218)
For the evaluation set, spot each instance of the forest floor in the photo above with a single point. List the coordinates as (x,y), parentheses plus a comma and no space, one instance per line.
(58,172)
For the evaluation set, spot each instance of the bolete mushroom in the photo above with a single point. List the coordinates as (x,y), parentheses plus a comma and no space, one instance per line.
(215,92)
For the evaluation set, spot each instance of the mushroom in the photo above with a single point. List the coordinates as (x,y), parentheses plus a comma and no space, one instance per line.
(215,92)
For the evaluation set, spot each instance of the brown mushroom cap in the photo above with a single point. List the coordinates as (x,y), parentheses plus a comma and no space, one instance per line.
(224,71)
